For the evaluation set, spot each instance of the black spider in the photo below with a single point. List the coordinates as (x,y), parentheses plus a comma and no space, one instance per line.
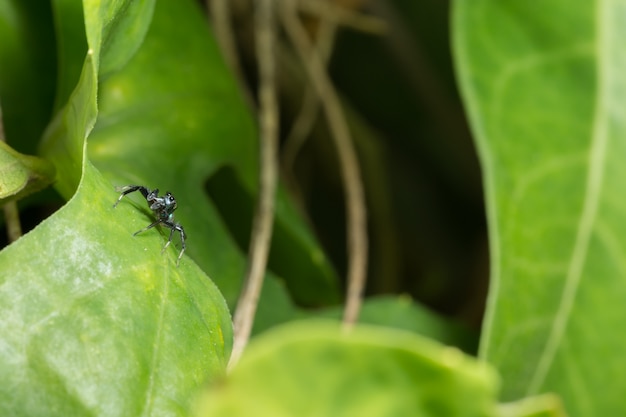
(162,207)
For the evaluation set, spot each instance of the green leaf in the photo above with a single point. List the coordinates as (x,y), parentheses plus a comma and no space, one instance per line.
(313,369)
(403,313)
(174,119)
(545,89)
(96,321)
(106,24)
(64,143)
(72,47)
(65,139)
(545,405)
(116,29)
(21,175)
(27,72)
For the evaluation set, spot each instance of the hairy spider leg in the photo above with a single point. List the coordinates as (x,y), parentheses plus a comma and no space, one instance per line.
(172,230)
(127,189)
(175,227)
(150,226)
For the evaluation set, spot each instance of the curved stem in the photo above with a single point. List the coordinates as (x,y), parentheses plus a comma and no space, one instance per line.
(350,170)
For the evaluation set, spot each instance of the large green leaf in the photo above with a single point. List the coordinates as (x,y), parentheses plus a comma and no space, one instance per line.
(313,369)
(95,321)
(545,88)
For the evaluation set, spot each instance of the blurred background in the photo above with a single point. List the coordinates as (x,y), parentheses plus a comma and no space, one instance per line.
(391,64)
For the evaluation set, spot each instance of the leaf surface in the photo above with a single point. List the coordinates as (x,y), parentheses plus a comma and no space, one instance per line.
(544,86)
(174,119)
(100,329)
(312,369)
(96,321)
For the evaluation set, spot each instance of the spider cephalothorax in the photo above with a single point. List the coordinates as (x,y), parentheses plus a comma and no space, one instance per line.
(162,207)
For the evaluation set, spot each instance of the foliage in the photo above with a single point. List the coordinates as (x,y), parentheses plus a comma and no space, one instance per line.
(545,96)
(118,92)
(370,372)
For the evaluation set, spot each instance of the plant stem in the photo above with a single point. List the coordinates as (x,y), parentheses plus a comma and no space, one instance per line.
(264,217)
(350,170)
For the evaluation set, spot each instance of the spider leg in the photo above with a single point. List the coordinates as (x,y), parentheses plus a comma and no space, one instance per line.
(127,189)
(150,226)
(176,227)
(168,240)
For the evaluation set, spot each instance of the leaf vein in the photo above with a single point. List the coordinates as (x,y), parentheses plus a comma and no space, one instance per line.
(593,188)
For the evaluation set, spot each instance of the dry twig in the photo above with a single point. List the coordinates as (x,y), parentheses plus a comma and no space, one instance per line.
(264,217)
(310,102)
(221,13)
(330,12)
(355,201)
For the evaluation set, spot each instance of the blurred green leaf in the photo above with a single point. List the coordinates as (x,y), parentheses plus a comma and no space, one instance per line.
(21,175)
(69,30)
(545,405)
(174,118)
(405,314)
(116,29)
(313,369)
(27,71)
(546,98)
(64,140)
(398,312)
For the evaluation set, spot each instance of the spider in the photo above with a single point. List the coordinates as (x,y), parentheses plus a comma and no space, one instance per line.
(162,207)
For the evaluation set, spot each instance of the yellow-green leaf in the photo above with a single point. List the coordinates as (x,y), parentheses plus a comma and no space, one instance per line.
(314,369)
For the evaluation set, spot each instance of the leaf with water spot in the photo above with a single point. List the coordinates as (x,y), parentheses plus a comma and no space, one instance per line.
(545,88)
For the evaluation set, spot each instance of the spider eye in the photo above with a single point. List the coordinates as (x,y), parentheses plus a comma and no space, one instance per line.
(170,200)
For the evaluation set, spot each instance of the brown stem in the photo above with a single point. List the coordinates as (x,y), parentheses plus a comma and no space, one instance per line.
(265,27)
(310,102)
(350,170)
